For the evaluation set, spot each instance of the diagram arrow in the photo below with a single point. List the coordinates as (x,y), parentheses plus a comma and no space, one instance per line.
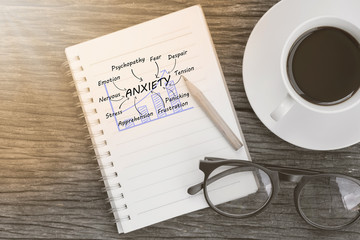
(159,97)
(136,76)
(117,99)
(177,81)
(174,66)
(136,107)
(157,70)
(123,102)
(119,88)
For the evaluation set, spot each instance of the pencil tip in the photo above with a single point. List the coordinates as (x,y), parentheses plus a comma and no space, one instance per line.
(184,78)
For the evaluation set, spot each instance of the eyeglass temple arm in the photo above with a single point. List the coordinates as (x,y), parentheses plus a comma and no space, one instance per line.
(198,187)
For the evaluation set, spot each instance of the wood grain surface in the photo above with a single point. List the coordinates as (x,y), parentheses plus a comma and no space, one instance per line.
(49,183)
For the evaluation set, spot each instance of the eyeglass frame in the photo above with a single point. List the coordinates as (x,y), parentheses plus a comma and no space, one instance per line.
(276,174)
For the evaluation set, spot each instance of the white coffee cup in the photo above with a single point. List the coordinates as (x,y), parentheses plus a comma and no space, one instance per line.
(292,97)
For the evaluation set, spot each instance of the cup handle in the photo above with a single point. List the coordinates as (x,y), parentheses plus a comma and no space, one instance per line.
(283,108)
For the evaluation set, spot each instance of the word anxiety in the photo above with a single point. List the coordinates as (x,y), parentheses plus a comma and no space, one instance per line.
(147,86)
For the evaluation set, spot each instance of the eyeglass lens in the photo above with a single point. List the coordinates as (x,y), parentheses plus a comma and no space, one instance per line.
(330,201)
(238,190)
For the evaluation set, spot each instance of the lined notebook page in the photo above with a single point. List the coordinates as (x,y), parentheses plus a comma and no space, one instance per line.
(154,130)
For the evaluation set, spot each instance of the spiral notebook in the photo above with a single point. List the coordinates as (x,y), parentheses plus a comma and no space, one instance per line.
(147,131)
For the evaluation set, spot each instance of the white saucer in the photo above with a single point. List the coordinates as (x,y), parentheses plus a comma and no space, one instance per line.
(265,89)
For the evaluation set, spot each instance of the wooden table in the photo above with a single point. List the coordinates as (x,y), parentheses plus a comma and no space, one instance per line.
(49,183)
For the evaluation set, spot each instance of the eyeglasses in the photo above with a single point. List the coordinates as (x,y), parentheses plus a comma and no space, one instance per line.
(240,189)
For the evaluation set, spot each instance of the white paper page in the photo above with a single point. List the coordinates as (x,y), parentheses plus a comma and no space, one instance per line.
(154,130)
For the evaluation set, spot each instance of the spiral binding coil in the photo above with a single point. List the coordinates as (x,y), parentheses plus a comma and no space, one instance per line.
(105,166)
(96,134)
(122,218)
(108,177)
(121,196)
(112,187)
(75,69)
(123,207)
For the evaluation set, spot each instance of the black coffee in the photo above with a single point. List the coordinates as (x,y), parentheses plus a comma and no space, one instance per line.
(324,66)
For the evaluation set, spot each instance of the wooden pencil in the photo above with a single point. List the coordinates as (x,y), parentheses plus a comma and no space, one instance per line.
(210,111)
